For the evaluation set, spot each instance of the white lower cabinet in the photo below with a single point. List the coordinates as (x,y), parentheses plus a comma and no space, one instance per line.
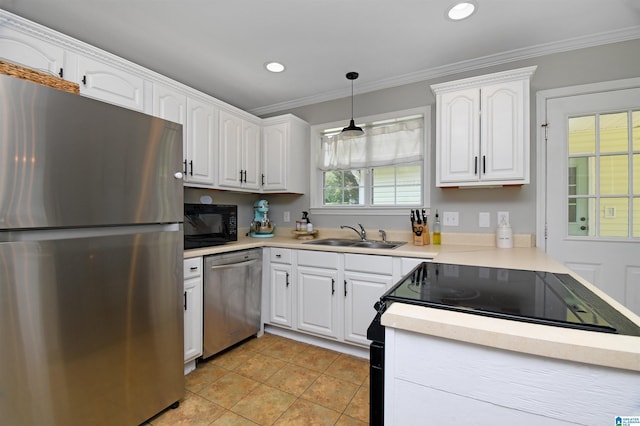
(281,288)
(366,278)
(329,294)
(318,298)
(192,309)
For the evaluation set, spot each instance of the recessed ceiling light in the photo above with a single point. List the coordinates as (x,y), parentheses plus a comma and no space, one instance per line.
(461,11)
(274,66)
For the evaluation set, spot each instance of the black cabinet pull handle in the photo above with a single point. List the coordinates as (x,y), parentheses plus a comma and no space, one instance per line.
(193,268)
(185,166)
(245,176)
(333,286)
(240,176)
(278,256)
(185,300)
(191,166)
(475,165)
(484,165)
(345,288)
(263,179)
(287,279)
(61,73)
(84,80)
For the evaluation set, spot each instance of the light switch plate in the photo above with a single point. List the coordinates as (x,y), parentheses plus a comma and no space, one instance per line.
(286,217)
(484,220)
(450,219)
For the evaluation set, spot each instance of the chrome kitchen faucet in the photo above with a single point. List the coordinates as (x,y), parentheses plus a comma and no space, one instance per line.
(362,233)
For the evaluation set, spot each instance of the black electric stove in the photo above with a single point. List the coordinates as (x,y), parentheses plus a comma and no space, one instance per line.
(512,294)
(530,296)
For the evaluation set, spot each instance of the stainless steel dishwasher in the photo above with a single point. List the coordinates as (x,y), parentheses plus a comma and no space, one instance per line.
(232,293)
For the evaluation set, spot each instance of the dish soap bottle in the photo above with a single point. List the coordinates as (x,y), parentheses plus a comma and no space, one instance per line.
(436,230)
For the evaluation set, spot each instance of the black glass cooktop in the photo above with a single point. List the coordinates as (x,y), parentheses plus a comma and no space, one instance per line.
(530,296)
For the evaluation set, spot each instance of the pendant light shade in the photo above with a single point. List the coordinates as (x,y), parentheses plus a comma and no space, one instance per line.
(352,130)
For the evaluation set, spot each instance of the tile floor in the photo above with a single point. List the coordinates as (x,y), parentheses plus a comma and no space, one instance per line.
(272,380)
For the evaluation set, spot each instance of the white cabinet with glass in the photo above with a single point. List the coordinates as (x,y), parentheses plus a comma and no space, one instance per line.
(285,145)
(482,130)
(239,152)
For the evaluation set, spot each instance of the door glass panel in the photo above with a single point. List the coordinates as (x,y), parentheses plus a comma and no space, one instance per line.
(635,120)
(636,217)
(581,214)
(614,175)
(580,171)
(614,133)
(614,217)
(582,135)
(636,174)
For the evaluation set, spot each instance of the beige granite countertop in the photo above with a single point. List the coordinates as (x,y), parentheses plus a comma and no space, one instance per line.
(604,349)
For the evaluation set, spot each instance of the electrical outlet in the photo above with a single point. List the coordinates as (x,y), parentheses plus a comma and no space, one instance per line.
(484,220)
(450,219)
(286,217)
(503,215)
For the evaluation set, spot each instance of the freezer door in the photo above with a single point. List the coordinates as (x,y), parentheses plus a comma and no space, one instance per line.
(70,161)
(91,329)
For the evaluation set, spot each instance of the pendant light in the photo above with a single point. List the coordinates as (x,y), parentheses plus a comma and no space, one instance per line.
(352,130)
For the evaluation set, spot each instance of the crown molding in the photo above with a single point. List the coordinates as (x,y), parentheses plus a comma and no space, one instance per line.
(616,36)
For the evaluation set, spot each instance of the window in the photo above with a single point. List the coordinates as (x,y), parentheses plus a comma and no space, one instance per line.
(604,175)
(381,170)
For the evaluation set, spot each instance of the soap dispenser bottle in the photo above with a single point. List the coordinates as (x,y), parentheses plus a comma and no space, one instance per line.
(504,235)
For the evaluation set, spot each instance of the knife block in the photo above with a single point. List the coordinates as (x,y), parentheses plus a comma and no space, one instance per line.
(422,239)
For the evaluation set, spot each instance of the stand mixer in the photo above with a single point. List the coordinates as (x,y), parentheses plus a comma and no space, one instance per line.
(261,226)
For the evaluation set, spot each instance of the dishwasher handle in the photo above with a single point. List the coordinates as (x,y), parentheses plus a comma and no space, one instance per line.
(232,264)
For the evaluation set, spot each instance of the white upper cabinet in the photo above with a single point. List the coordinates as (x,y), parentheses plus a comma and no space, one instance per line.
(107,83)
(239,152)
(31,52)
(201,141)
(482,130)
(285,150)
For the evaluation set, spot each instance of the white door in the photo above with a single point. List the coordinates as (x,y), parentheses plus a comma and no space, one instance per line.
(593,189)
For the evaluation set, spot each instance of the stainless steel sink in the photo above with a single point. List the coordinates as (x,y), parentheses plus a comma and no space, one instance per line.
(338,242)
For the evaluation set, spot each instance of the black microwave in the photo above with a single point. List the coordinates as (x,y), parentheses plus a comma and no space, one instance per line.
(209,225)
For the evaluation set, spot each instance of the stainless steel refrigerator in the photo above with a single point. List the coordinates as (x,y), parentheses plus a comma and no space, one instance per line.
(91,315)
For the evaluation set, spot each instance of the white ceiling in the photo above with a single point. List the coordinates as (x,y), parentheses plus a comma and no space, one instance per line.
(220,47)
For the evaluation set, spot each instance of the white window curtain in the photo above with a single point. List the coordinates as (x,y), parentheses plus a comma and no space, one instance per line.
(386,143)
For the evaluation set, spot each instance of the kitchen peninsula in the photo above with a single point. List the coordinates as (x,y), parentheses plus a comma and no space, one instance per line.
(476,369)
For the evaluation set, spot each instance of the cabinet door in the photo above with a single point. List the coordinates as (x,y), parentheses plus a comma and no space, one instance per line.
(230,140)
(192,318)
(280,297)
(458,138)
(318,301)
(251,155)
(503,128)
(361,292)
(172,105)
(31,52)
(274,155)
(104,82)
(201,141)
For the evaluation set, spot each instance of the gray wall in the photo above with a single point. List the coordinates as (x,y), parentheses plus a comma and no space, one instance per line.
(590,65)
